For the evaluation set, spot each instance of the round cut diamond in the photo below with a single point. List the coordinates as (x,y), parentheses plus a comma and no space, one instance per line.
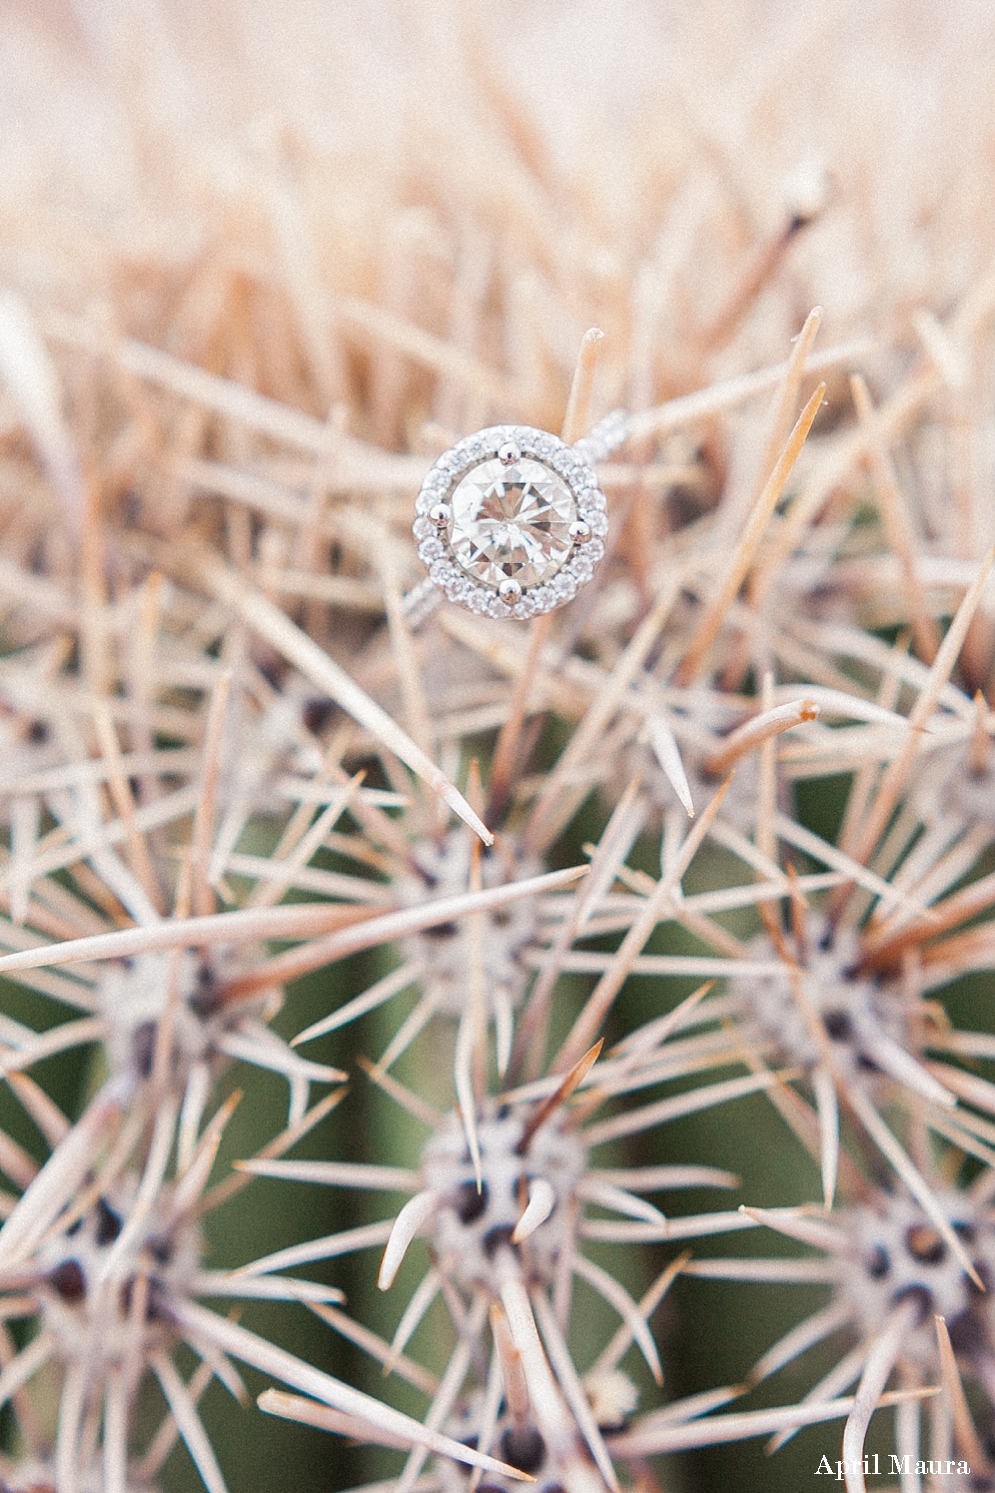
(498,507)
(511,522)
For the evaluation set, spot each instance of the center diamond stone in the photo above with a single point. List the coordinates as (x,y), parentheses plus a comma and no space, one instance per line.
(511,522)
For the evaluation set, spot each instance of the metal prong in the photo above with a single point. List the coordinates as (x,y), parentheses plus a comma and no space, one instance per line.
(510,591)
(440,515)
(509,453)
(579,531)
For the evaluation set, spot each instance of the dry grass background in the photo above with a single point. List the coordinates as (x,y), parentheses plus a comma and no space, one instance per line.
(399,220)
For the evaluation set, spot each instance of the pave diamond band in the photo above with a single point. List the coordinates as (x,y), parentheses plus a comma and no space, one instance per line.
(511,522)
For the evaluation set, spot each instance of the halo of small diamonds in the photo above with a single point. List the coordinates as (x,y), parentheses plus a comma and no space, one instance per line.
(510,510)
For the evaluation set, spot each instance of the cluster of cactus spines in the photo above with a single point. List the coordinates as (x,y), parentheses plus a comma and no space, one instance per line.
(242,743)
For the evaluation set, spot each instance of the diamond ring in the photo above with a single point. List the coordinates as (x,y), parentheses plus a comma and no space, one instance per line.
(510,522)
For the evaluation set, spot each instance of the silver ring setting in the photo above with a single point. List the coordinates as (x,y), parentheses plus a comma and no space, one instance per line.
(510,522)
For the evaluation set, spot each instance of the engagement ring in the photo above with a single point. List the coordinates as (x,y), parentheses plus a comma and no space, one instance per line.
(510,522)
